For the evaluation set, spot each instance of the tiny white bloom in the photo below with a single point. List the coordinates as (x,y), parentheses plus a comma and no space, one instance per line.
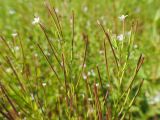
(84,77)
(93,73)
(32,96)
(97,84)
(101,52)
(14,34)
(89,73)
(155,99)
(122,17)
(89,99)
(11,12)
(36,55)
(120,37)
(135,46)
(56,10)
(85,9)
(35,20)
(44,84)
(82,95)
(8,70)
(107,85)
(16,48)
(129,33)
(61,88)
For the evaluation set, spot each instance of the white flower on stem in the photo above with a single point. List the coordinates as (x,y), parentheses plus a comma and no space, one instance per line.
(122,17)
(35,20)
(120,37)
(14,34)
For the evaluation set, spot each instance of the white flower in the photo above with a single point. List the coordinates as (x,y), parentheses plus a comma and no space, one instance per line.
(155,99)
(120,37)
(36,55)
(135,46)
(97,84)
(84,77)
(8,70)
(35,20)
(16,48)
(91,110)
(93,73)
(11,12)
(56,10)
(14,34)
(89,73)
(90,99)
(44,84)
(85,8)
(122,17)
(128,33)
(32,96)
(101,52)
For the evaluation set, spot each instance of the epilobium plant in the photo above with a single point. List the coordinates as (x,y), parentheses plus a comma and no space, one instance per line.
(49,84)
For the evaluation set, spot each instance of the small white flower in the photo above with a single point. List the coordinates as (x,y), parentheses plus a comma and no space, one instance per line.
(122,17)
(32,96)
(44,84)
(36,55)
(84,76)
(101,52)
(11,12)
(89,73)
(56,10)
(135,46)
(107,85)
(8,70)
(120,37)
(82,95)
(61,88)
(14,34)
(85,8)
(16,48)
(129,33)
(97,84)
(155,99)
(47,53)
(35,20)
(93,73)
(98,22)
(90,99)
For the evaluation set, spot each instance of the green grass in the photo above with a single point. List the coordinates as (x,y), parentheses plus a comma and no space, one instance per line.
(71,64)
